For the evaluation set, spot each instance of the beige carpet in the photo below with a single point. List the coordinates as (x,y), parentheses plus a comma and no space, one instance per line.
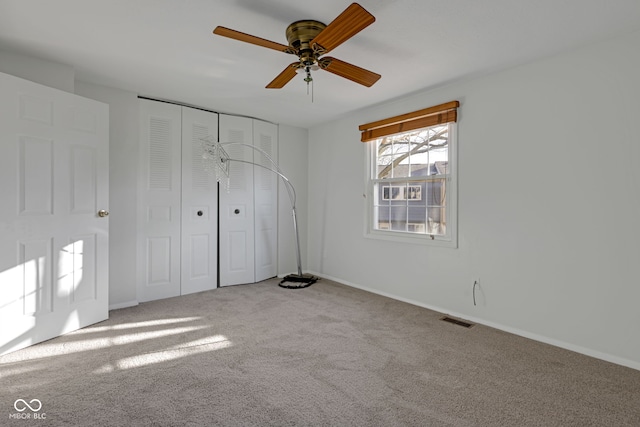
(327,355)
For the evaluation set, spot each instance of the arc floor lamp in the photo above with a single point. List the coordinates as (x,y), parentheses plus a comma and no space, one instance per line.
(218,162)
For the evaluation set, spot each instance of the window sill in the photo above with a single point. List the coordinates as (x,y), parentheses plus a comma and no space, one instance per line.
(417,239)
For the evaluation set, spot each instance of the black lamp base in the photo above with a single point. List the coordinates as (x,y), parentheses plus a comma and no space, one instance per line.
(297,281)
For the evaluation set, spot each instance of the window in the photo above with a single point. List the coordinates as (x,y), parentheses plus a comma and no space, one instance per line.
(411,176)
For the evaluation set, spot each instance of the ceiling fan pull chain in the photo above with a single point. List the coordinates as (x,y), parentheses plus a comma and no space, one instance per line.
(309,79)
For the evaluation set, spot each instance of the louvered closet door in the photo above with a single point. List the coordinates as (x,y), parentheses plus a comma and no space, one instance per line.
(236,205)
(159,208)
(199,205)
(265,137)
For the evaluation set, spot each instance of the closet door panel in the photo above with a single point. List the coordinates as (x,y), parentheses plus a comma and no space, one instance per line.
(236,204)
(159,212)
(265,139)
(199,205)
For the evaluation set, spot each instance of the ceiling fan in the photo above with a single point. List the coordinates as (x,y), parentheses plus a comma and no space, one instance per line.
(309,40)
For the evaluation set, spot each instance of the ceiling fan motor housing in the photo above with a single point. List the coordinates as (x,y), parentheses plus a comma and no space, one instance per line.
(299,35)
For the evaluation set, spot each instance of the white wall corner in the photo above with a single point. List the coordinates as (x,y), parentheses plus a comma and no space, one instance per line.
(48,73)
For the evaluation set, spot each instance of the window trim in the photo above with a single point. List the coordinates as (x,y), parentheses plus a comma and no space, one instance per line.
(450,241)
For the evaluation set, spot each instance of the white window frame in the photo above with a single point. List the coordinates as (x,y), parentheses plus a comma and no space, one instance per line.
(451,239)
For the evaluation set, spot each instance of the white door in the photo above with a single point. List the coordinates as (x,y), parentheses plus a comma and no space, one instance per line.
(53,244)
(199,205)
(265,138)
(236,204)
(159,208)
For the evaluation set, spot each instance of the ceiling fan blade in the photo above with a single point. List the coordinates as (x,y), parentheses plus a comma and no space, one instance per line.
(349,71)
(284,77)
(243,37)
(350,22)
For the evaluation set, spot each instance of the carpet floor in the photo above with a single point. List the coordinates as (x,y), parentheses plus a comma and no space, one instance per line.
(327,355)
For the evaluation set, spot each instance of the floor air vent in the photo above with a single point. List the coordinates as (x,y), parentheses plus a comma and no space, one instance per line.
(457,322)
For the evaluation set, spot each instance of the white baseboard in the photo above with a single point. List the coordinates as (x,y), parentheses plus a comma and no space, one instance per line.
(123,305)
(551,341)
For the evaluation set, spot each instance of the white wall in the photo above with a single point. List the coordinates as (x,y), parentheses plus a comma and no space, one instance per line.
(549,204)
(292,159)
(52,74)
(123,175)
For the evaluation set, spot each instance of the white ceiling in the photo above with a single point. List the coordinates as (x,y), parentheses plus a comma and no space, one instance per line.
(165,48)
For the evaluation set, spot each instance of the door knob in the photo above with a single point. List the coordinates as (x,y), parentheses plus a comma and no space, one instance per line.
(102,213)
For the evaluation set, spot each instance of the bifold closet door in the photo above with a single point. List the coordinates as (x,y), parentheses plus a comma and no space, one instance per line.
(199,256)
(236,204)
(159,208)
(265,138)
(248,210)
(177,241)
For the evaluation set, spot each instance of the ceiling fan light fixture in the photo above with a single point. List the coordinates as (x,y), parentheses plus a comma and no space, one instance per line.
(302,70)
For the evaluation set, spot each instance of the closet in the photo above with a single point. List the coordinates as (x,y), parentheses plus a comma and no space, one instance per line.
(180,250)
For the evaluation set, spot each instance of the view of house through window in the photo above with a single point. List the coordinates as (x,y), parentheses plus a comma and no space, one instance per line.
(410,174)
